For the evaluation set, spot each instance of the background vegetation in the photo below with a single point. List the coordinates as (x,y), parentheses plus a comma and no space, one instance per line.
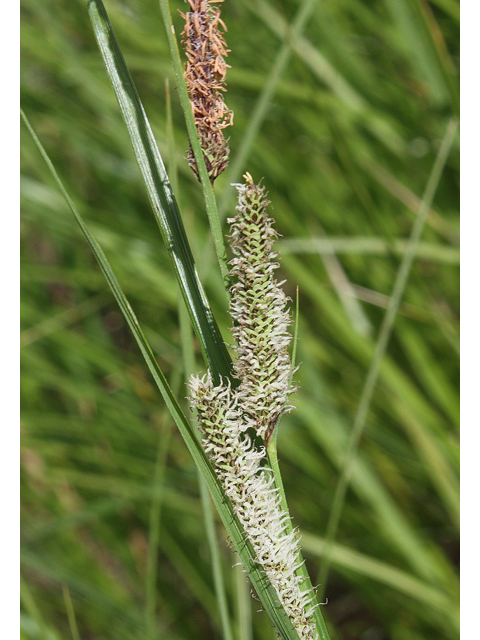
(343,116)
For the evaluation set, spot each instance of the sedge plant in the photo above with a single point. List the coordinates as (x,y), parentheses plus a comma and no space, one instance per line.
(341,156)
(239,404)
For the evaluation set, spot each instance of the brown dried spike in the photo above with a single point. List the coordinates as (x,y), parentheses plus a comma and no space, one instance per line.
(205,73)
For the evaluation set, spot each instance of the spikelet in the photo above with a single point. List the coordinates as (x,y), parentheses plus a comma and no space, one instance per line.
(250,486)
(205,72)
(258,308)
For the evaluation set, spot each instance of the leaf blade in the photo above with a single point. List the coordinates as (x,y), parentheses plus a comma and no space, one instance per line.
(160,193)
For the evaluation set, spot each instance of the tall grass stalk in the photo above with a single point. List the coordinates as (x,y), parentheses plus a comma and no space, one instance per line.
(188,358)
(282,620)
(162,199)
(188,355)
(151,573)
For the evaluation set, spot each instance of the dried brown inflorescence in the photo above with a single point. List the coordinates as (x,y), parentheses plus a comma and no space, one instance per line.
(205,72)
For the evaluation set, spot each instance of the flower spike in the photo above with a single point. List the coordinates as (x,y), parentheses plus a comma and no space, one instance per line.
(230,418)
(251,488)
(205,72)
(258,308)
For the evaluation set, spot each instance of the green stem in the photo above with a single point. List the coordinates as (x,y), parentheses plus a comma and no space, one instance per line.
(70,613)
(244,607)
(188,356)
(220,592)
(172,164)
(30,606)
(258,577)
(302,570)
(371,246)
(163,443)
(161,197)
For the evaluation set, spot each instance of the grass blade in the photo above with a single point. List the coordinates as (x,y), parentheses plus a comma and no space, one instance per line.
(329,75)
(208,515)
(258,116)
(427,48)
(273,463)
(399,191)
(244,608)
(154,531)
(71,613)
(160,193)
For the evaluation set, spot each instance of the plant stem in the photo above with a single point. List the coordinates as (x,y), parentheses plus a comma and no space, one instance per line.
(160,193)
(273,464)
(70,613)
(244,607)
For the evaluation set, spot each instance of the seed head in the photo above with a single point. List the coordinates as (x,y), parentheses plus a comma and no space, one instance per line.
(249,484)
(258,308)
(228,417)
(205,72)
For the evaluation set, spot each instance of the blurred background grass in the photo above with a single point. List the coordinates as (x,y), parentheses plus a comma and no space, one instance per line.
(343,118)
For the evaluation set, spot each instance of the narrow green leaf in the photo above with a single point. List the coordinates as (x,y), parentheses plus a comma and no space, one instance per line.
(71,613)
(188,355)
(329,76)
(273,461)
(425,42)
(28,602)
(244,606)
(160,193)
(154,531)
(257,117)
(257,576)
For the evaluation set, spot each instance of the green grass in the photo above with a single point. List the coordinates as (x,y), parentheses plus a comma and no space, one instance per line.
(343,116)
